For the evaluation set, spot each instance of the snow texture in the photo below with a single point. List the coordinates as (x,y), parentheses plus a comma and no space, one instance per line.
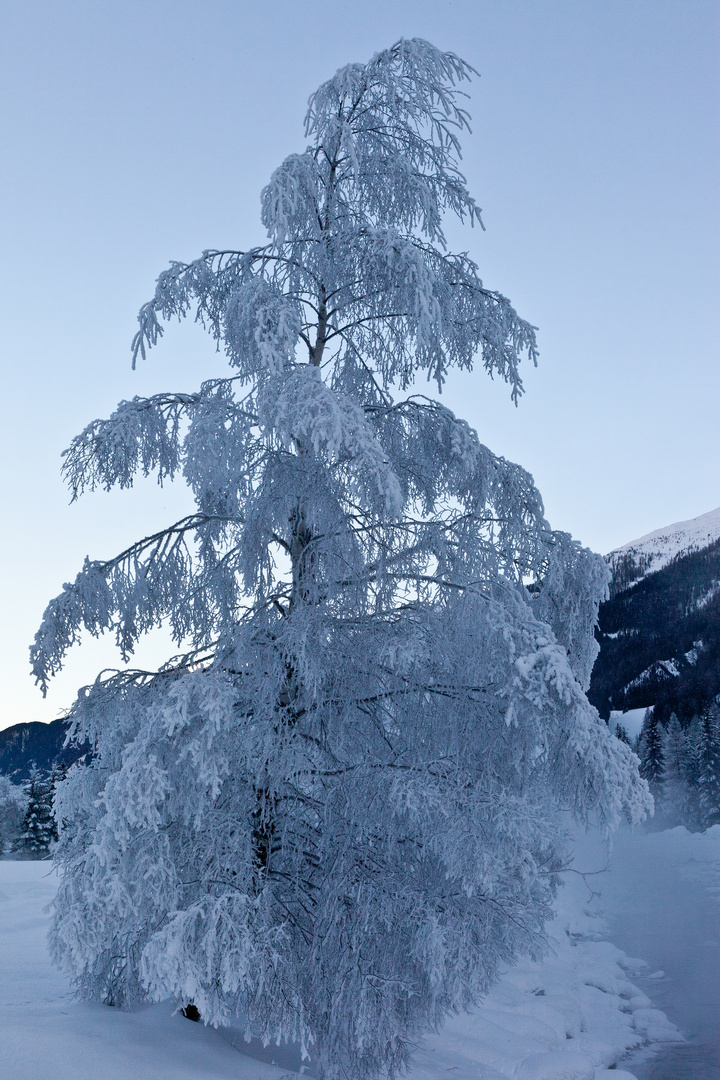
(573,1015)
(659,669)
(657,549)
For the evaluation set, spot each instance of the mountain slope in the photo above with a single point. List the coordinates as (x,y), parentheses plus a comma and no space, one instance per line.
(656,550)
(659,632)
(25,745)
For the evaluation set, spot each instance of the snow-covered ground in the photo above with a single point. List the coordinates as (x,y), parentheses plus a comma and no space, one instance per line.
(662,894)
(574,1016)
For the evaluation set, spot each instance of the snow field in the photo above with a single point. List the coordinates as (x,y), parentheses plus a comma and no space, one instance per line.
(572,1016)
(631,721)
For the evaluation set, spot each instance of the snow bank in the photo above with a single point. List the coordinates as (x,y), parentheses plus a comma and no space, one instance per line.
(572,1016)
(662,896)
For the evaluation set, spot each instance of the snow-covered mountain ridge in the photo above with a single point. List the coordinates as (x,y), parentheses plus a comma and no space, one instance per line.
(633,561)
(659,633)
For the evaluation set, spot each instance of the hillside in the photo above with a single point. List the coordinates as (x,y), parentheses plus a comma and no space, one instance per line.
(659,632)
(25,745)
(656,550)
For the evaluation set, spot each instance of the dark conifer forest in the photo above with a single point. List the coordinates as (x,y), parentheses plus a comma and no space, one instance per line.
(660,639)
(24,747)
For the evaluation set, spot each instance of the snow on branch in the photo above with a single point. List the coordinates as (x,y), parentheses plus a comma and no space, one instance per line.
(340,813)
(131,593)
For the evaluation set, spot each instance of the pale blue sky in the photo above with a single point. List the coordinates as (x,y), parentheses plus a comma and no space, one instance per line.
(135,132)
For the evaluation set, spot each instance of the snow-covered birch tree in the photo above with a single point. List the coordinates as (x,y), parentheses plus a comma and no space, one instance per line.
(338,811)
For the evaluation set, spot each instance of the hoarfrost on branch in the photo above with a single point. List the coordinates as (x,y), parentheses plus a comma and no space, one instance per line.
(339,811)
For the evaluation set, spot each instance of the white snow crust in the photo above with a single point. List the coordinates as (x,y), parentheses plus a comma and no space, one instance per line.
(575,1015)
(660,547)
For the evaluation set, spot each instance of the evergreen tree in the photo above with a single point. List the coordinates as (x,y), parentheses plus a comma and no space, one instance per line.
(622,735)
(650,750)
(693,770)
(337,814)
(707,767)
(38,827)
(675,799)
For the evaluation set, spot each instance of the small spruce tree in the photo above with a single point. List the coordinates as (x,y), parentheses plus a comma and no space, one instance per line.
(622,735)
(12,811)
(650,750)
(707,767)
(38,828)
(675,801)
